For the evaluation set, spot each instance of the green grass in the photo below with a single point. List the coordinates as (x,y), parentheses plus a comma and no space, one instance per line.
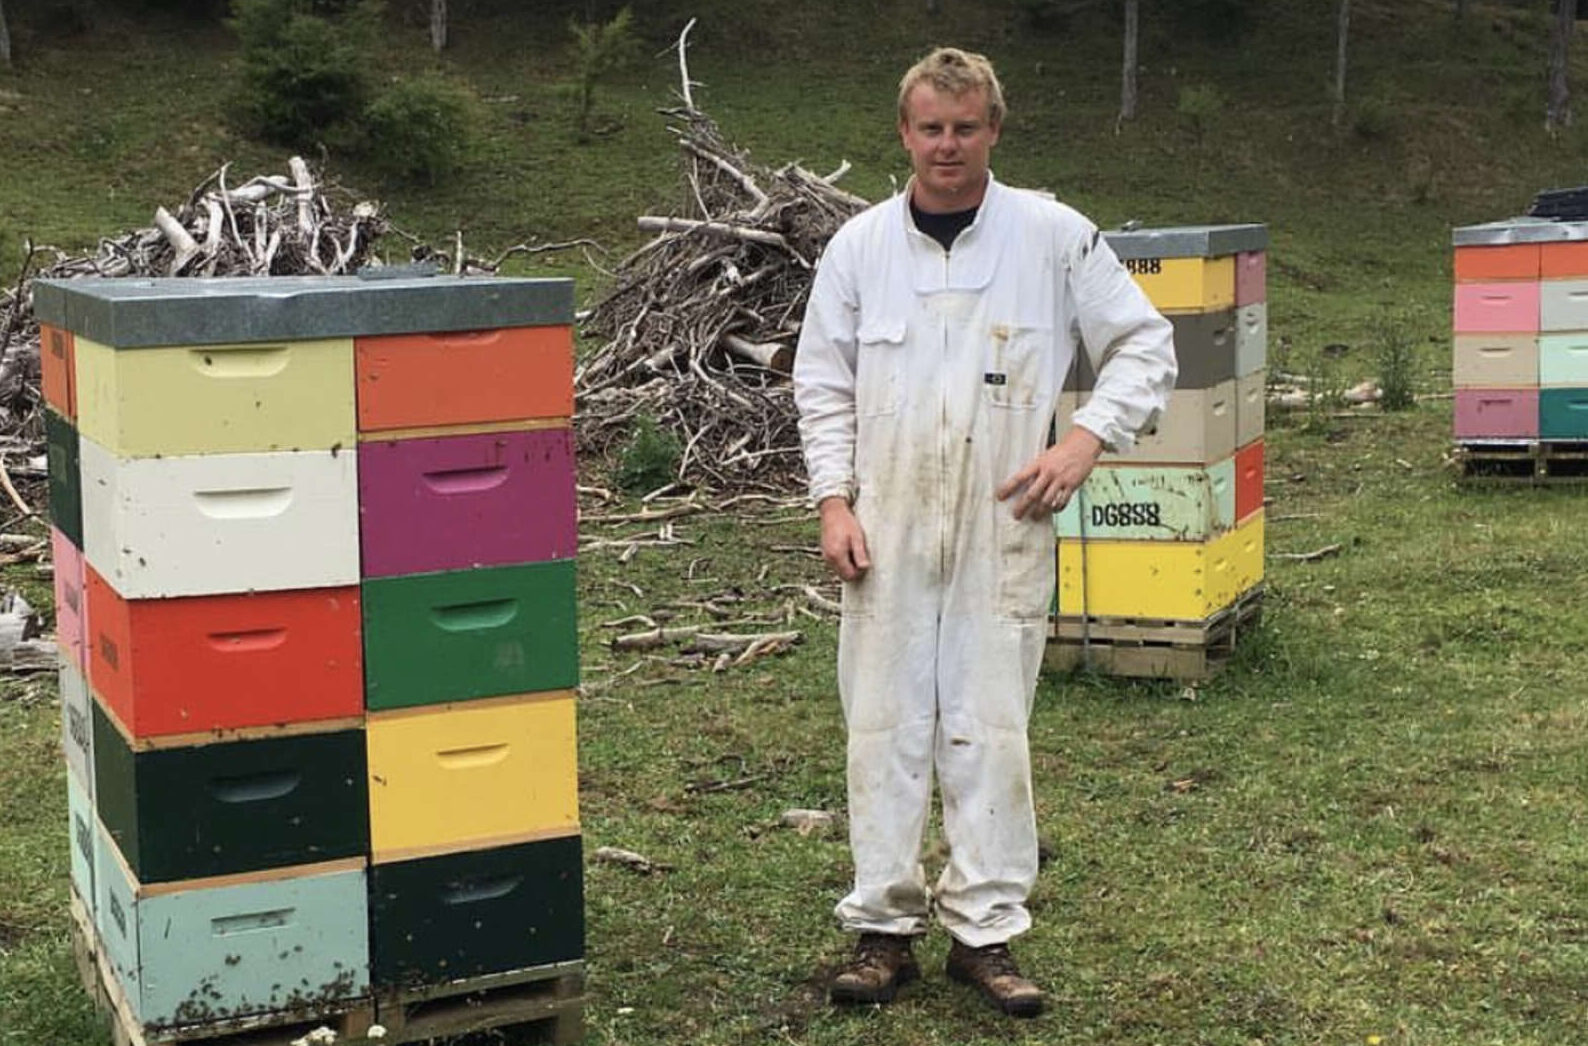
(1371,824)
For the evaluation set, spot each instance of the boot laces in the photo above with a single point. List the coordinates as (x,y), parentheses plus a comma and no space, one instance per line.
(998,961)
(878,951)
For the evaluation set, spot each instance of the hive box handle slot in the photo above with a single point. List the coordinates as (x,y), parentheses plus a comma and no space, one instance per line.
(490,890)
(256,787)
(261,503)
(248,642)
(471,617)
(473,757)
(465,481)
(253,922)
(239,363)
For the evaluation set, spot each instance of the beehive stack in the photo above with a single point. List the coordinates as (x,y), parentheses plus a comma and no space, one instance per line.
(315,546)
(1160,554)
(1520,354)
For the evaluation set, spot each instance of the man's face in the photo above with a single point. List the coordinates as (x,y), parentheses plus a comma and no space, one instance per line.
(949,138)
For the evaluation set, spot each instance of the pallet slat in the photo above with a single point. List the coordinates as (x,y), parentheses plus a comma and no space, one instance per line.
(1522,461)
(544,1005)
(546,1002)
(1157,649)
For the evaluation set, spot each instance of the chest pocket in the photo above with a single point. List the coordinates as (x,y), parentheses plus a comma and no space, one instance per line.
(1017,360)
(879,366)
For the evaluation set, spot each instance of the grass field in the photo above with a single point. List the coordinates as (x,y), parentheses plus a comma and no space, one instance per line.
(1371,827)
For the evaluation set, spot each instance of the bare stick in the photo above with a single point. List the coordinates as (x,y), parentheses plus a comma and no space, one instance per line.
(654,223)
(1308,557)
(683,65)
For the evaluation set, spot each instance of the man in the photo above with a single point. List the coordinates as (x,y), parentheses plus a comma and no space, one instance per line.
(941,325)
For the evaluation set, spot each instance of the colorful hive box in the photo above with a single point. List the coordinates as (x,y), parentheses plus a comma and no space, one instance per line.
(77,727)
(1563,414)
(491,632)
(451,777)
(476,913)
(1205,346)
(1185,581)
(217,523)
(1251,278)
(1496,413)
(1190,268)
(192,953)
(1248,480)
(216,399)
(1497,308)
(1486,361)
(449,503)
(1197,429)
(1148,503)
(64,451)
(1563,359)
(1483,264)
(212,663)
(220,809)
(70,598)
(80,833)
(1251,400)
(464,377)
(1251,339)
(57,360)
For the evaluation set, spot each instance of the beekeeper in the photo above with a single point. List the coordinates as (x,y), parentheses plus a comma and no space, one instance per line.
(940,328)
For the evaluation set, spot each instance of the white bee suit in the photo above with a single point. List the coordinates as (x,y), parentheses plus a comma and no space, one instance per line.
(924,379)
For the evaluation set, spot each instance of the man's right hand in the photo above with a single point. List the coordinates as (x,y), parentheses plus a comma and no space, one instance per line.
(843,541)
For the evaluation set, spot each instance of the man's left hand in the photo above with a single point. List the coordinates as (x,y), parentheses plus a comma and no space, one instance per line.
(1047,481)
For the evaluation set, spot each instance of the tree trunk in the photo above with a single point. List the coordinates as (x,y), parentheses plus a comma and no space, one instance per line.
(1461,10)
(934,6)
(438,24)
(5,37)
(1127,89)
(1557,112)
(1339,62)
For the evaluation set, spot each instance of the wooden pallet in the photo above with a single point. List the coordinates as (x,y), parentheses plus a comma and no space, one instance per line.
(351,1022)
(1152,648)
(543,1005)
(1523,461)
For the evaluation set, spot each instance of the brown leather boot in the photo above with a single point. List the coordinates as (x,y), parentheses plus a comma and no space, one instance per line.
(881,965)
(993,971)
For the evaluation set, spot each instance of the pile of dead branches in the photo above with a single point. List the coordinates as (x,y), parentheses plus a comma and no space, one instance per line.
(699,329)
(271,225)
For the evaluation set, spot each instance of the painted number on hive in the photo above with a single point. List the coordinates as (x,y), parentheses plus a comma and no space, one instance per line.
(1127,514)
(1144,266)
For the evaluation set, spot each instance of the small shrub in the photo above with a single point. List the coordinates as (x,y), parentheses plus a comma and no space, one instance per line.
(421,129)
(1396,355)
(599,49)
(650,460)
(304,66)
(1373,120)
(1325,395)
(1200,104)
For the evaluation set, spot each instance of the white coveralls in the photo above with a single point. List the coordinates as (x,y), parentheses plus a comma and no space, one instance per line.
(924,379)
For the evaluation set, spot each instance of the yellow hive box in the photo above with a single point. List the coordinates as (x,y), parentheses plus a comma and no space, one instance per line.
(1161,580)
(1186,284)
(472,774)
(216,399)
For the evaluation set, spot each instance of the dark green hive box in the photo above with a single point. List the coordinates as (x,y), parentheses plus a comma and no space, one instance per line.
(480,912)
(236,806)
(1563,413)
(462,634)
(66,476)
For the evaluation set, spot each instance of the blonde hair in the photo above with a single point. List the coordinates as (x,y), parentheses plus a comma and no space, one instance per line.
(954,72)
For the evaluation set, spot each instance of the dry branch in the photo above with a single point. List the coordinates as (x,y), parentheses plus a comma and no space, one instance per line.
(698,331)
